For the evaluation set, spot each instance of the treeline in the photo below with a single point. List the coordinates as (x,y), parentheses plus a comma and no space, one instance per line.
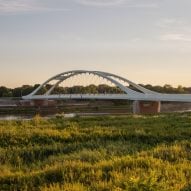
(102,89)
(169,89)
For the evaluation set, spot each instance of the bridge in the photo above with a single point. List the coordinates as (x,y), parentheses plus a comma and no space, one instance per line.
(143,98)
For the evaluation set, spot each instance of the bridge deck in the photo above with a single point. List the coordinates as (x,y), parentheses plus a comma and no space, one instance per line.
(141,97)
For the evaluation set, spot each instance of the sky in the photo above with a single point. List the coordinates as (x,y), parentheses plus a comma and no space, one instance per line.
(145,41)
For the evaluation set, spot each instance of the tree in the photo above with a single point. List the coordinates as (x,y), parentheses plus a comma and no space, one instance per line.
(5,92)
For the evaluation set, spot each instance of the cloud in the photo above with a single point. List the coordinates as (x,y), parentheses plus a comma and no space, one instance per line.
(174,29)
(24,6)
(144,5)
(127,3)
(176,37)
(171,23)
(16,5)
(101,2)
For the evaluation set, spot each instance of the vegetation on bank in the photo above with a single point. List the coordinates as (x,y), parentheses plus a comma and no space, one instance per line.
(150,153)
(102,88)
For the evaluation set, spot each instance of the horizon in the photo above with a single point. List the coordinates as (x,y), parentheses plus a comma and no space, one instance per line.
(145,41)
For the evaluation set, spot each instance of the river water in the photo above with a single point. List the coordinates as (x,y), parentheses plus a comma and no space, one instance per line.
(14,117)
(69,115)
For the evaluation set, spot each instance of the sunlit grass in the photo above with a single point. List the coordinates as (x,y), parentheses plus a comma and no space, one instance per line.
(97,153)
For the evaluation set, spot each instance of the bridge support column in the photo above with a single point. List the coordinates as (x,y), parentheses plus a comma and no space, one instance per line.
(146,107)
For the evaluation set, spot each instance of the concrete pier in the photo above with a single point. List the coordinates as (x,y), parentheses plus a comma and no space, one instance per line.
(146,107)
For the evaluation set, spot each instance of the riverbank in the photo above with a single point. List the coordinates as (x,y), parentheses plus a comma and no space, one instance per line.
(14,108)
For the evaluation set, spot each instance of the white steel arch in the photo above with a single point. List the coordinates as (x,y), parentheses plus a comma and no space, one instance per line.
(142,94)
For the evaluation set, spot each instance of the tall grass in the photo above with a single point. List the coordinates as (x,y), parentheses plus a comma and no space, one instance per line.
(97,153)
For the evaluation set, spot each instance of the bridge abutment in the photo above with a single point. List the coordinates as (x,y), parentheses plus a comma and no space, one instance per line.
(146,107)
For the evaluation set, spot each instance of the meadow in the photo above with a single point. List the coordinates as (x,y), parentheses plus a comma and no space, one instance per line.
(104,153)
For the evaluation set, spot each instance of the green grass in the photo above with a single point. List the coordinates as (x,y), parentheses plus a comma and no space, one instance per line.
(135,153)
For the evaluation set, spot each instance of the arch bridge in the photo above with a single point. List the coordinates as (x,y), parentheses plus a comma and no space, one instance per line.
(129,89)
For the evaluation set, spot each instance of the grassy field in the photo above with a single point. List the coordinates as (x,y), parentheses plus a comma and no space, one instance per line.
(135,153)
